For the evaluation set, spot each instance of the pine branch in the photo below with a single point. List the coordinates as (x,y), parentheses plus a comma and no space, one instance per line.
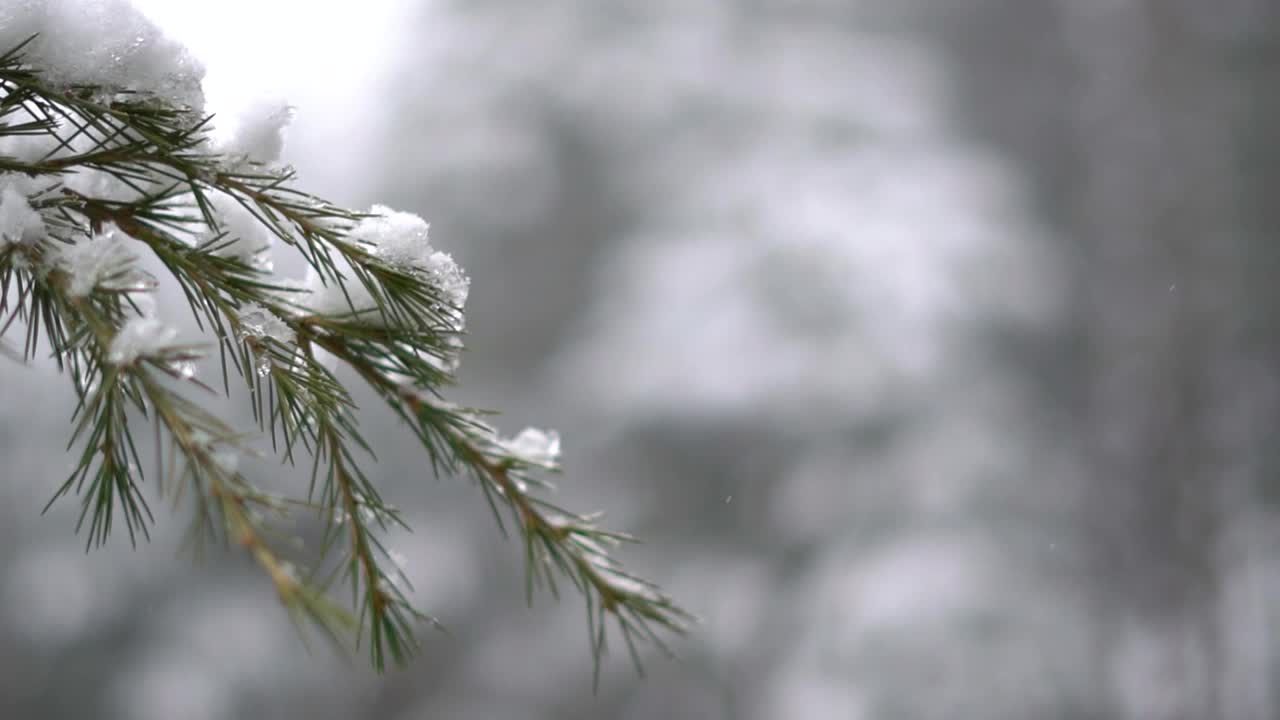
(115,167)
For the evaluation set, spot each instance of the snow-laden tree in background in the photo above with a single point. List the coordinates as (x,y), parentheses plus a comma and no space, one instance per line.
(826,295)
(793,341)
(106,158)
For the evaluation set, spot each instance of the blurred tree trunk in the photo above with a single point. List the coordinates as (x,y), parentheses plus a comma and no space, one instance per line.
(1165,311)
(1153,130)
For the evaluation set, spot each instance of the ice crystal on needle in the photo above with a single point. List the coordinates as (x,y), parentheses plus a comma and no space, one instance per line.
(260,322)
(257,322)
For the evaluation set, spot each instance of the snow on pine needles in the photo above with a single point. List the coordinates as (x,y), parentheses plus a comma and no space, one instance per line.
(106,160)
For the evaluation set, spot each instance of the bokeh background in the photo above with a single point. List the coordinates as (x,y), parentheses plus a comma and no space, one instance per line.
(931,346)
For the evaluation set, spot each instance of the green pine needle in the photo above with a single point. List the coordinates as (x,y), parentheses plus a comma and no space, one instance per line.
(399,348)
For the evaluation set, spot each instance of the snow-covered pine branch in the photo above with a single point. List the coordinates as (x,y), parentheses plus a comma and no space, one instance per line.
(105,156)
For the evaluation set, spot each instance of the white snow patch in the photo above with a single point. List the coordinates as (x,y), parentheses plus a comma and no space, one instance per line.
(102,42)
(535,447)
(256,133)
(402,240)
(103,260)
(244,236)
(19,222)
(140,337)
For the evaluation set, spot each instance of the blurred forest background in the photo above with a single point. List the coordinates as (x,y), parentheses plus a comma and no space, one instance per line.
(931,346)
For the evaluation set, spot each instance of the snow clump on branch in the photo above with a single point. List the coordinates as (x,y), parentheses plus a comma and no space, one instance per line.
(256,134)
(101,261)
(401,240)
(19,222)
(102,43)
(239,234)
(140,337)
(534,447)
